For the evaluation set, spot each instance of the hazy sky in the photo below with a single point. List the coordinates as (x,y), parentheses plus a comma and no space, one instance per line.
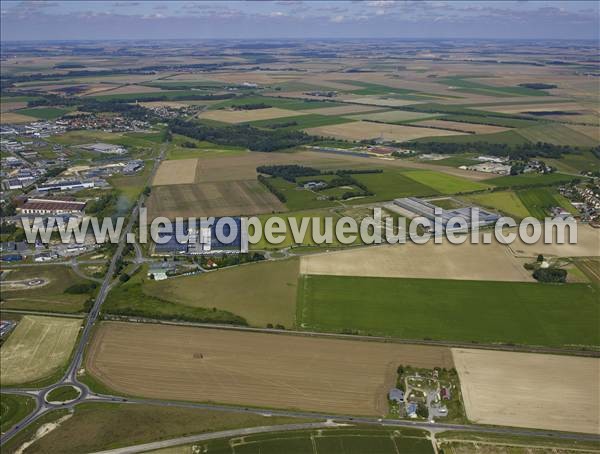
(22,20)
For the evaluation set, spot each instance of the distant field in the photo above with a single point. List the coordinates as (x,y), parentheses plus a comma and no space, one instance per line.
(539,201)
(515,312)
(49,295)
(528,383)
(278,371)
(280,103)
(13,117)
(393,116)
(472,85)
(557,134)
(530,179)
(471,128)
(575,163)
(444,183)
(38,348)
(44,113)
(264,301)
(241,116)
(505,137)
(362,130)
(345,109)
(301,122)
(507,202)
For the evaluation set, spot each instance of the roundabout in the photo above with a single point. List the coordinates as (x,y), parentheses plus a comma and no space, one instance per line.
(62,394)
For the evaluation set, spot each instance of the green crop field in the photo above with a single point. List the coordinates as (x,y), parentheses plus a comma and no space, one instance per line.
(44,113)
(576,162)
(493,120)
(203,149)
(539,201)
(452,310)
(50,296)
(505,201)
(14,408)
(302,121)
(469,86)
(282,103)
(505,137)
(393,183)
(444,183)
(557,134)
(530,179)
(462,159)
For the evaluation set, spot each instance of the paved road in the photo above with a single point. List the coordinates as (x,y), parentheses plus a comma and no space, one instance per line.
(217,435)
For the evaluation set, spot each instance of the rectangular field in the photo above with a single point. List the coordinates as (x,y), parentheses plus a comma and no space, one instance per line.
(452,310)
(231,198)
(557,134)
(530,390)
(181,171)
(257,369)
(444,183)
(241,116)
(361,130)
(37,348)
(436,261)
(393,116)
(471,128)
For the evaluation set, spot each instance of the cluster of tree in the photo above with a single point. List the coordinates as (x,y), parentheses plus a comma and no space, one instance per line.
(347,180)
(288,172)
(556,275)
(538,86)
(516,152)
(271,187)
(241,135)
(233,259)
(253,106)
(283,124)
(79,289)
(102,205)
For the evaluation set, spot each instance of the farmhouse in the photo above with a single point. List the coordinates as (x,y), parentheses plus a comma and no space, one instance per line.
(50,206)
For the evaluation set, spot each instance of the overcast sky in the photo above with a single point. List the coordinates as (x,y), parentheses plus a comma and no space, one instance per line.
(39,20)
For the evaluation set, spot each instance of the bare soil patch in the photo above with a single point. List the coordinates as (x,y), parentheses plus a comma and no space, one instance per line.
(280,371)
(179,171)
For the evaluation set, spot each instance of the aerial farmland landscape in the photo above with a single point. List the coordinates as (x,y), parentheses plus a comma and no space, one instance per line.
(300,227)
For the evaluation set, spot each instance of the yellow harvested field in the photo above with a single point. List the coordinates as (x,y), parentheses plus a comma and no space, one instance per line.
(361,130)
(11,117)
(241,116)
(588,244)
(37,348)
(487,262)
(343,110)
(243,368)
(460,126)
(530,390)
(179,171)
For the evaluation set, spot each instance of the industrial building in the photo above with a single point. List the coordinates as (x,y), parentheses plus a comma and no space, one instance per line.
(65,185)
(413,207)
(50,206)
(105,148)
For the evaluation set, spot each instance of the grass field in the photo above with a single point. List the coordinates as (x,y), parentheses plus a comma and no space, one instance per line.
(557,134)
(530,179)
(505,137)
(44,113)
(353,440)
(243,290)
(539,201)
(575,163)
(62,394)
(393,116)
(444,183)
(48,297)
(532,380)
(99,426)
(38,348)
(515,312)
(202,150)
(462,126)
(469,85)
(280,103)
(507,202)
(253,115)
(14,408)
(242,368)
(131,186)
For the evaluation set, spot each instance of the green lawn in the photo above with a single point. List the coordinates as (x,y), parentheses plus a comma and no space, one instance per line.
(62,394)
(452,310)
(505,201)
(14,408)
(444,183)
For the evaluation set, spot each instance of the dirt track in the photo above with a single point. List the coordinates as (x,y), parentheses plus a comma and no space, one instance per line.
(267,370)
(530,390)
